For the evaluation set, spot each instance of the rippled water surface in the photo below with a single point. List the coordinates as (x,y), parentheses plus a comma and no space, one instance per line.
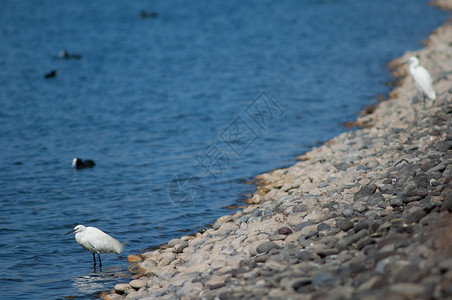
(177,111)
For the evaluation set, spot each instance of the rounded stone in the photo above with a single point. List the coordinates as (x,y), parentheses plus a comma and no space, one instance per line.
(284,231)
(137,284)
(348,213)
(372,164)
(346,225)
(174,242)
(120,288)
(324,279)
(266,247)
(323,226)
(133,258)
(361,225)
(180,246)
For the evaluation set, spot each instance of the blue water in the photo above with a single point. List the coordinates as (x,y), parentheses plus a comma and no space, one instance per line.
(168,108)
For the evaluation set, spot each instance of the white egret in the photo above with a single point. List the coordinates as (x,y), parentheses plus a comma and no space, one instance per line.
(422,79)
(96,241)
(81,164)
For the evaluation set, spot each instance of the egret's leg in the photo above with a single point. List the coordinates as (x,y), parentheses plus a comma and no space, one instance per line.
(94,258)
(423,102)
(100,262)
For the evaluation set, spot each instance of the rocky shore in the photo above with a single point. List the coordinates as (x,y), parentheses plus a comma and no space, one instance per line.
(365,216)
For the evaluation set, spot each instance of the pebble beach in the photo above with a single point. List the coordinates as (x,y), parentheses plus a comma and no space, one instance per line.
(366,215)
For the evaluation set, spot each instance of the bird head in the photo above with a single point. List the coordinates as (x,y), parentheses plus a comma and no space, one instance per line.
(74,162)
(76,229)
(412,61)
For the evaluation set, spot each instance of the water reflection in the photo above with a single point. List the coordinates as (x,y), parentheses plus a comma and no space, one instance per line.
(100,279)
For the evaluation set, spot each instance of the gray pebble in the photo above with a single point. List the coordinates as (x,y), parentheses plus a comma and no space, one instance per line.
(348,213)
(323,226)
(324,280)
(345,225)
(266,247)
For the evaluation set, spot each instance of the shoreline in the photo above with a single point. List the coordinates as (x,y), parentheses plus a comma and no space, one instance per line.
(365,215)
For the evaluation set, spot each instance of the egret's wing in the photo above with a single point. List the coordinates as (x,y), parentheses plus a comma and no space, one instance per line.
(102,242)
(424,81)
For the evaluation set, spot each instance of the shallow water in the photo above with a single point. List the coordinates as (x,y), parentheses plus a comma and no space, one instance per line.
(177,111)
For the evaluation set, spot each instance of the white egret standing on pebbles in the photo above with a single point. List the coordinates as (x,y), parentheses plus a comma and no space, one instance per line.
(96,241)
(422,79)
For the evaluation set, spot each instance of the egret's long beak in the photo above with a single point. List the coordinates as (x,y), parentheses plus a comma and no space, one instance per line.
(72,231)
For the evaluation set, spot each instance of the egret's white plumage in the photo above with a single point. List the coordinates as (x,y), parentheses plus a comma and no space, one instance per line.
(96,241)
(422,79)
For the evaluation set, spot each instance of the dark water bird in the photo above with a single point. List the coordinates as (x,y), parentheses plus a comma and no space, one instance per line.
(51,74)
(66,55)
(96,241)
(148,15)
(81,164)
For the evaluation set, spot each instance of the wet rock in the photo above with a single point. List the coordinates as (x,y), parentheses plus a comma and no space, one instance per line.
(359,207)
(137,284)
(408,198)
(284,231)
(421,180)
(120,288)
(346,241)
(133,258)
(147,264)
(323,226)
(311,234)
(327,252)
(361,168)
(375,282)
(372,164)
(348,213)
(396,202)
(199,268)
(216,282)
(266,247)
(324,280)
(416,215)
(226,228)
(302,225)
(365,192)
(408,290)
(346,225)
(443,146)
(299,283)
(238,242)
(197,258)
(409,273)
(375,199)
(188,287)
(448,202)
(224,219)
(300,208)
(361,225)
(173,242)
(166,259)
(365,242)
(343,166)
(277,237)
(307,256)
(178,248)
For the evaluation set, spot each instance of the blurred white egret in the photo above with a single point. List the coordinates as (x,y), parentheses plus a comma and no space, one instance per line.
(422,79)
(96,241)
